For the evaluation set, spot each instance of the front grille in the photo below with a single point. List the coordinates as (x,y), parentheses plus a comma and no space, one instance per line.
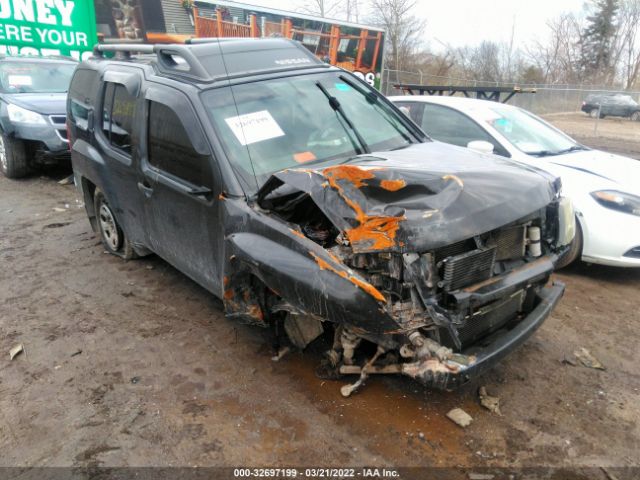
(468,268)
(509,242)
(58,119)
(633,253)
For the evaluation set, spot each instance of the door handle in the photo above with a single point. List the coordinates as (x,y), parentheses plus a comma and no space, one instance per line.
(145,188)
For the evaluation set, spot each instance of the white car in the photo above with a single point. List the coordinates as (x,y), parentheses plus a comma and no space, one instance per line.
(604,188)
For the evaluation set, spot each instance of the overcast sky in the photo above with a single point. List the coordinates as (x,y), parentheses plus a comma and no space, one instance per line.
(462,22)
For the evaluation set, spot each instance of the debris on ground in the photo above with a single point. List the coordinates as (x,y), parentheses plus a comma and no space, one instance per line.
(281,353)
(569,361)
(487,401)
(58,209)
(587,359)
(135,380)
(459,416)
(15,351)
(76,352)
(480,476)
(66,181)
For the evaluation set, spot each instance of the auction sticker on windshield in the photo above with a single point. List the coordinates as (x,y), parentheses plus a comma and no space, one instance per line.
(19,80)
(254,127)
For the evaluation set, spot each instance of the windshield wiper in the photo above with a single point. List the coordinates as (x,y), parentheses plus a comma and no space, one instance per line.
(373,99)
(335,104)
(551,153)
(574,148)
(542,153)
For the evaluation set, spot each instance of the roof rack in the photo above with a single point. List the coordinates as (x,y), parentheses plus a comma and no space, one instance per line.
(482,93)
(190,66)
(196,60)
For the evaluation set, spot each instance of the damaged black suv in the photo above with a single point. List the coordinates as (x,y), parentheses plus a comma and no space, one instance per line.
(307,202)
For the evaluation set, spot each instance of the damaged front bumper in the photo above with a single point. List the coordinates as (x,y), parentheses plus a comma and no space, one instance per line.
(460,368)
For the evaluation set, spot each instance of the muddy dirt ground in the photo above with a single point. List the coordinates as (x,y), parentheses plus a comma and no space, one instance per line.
(613,134)
(133,364)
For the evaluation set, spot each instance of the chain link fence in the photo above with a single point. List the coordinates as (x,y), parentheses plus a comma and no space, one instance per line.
(547,99)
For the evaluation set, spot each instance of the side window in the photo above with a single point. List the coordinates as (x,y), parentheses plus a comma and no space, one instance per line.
(170,149)
(449,126)
(117,117)
(81,96)
(413,110)
(124,106)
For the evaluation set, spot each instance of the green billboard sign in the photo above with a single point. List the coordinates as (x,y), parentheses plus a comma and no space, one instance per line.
(47,27)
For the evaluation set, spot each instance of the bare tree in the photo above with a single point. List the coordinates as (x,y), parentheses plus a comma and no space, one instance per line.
(558,56)
(404,29)
(322,8)
(626,51)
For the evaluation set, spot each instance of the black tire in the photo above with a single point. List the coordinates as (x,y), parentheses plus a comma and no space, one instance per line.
(13,157)
(575,249)
(635,116)
(112,236)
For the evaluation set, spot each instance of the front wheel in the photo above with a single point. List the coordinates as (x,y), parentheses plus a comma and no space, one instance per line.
(575,249)
(635,116)
(111,233)
(13,157)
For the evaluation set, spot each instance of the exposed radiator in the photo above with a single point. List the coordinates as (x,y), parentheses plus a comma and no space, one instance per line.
(509,242)
(468,268)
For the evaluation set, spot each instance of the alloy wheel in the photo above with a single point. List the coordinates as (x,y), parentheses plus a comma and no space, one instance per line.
(108,227)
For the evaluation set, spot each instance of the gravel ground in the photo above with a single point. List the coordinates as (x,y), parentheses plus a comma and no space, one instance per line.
(133,364)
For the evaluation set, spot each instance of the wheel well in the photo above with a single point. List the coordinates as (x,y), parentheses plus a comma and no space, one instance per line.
(88,190)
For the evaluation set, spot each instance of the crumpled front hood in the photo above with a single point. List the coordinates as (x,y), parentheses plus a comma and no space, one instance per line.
(621,170)
(44,103)
(416,199)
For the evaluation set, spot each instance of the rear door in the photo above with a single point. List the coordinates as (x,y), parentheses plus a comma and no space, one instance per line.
(179,186)
(116,153)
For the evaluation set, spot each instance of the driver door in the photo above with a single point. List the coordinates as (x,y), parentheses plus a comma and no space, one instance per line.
(179,186)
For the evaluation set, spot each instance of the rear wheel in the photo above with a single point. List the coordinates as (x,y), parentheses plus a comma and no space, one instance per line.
(13,157)
(111,233)
(575,249)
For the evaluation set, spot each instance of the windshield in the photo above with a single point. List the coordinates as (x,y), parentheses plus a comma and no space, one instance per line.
(301,120)
(528,133)
(36,77)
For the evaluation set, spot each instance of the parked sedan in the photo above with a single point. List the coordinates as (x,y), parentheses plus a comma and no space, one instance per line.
(614,105)
(33,93)
(604,188)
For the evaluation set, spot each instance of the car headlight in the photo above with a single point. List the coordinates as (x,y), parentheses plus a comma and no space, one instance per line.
(22,115)
(566,221)
(622,202)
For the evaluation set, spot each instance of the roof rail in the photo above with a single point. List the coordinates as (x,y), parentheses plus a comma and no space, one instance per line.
(125,48)
(198,40)
(168,57)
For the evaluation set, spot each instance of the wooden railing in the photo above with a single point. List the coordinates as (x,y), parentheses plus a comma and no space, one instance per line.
(218,27)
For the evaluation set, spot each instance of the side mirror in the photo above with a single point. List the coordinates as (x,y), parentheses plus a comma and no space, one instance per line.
(481,146)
